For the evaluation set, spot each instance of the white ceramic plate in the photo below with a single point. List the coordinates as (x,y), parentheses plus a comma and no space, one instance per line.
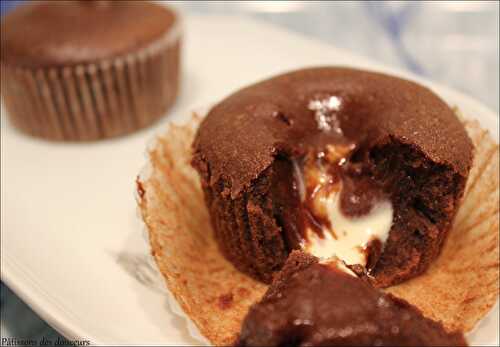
(72,244)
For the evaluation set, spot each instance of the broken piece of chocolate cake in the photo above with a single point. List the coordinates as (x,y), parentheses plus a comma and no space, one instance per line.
(313,304)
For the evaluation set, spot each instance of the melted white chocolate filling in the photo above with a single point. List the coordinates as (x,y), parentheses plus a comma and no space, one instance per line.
(349,237)
(346,237)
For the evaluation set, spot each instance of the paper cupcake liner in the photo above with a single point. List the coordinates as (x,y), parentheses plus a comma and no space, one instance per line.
(459,288)
(96,100)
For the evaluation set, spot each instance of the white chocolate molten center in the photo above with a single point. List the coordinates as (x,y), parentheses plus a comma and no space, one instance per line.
(344,237)
(349,236)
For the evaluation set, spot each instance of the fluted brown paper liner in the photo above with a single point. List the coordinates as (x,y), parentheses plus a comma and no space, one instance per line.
(96,100)
(460,287)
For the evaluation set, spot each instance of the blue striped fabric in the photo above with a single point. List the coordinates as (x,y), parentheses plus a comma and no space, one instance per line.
(6,5)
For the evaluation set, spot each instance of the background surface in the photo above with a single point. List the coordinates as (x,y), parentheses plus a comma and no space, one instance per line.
(453,42)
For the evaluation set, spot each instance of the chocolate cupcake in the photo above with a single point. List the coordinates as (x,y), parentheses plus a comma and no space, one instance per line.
(335,161)
(87,70)
(312,304)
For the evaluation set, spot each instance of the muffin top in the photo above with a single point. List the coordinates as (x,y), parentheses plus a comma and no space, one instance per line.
(55,33)
(288,114)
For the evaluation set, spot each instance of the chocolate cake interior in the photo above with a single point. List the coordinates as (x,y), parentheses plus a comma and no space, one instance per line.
(422,194)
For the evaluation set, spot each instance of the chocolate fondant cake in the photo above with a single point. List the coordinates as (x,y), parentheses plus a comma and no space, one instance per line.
(312,304)
(87,70)
(335,161)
